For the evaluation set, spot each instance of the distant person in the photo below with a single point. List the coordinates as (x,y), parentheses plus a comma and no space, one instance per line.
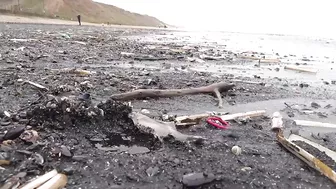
(79,19)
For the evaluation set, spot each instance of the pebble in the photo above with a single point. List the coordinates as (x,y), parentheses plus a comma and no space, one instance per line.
(176,161)
(138,150)
(236,150)
(152,171)
(197,179)
(315,105)
(326,82)
(69,170)
(14,133)
(65,151)
(333,82)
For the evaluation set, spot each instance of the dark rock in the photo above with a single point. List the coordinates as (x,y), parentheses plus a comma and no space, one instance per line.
(152,171)
(197,179)
(321,115)
(326,82)
(315,105)
(333,82)
(14,133)
(65,151)
(290,114)
(305,59)
(303,85)
(5,123)
(23,115)
(277,69)
(328,106)
(183,67)
(80,157)
(69,170)
(138,150)
(297,64)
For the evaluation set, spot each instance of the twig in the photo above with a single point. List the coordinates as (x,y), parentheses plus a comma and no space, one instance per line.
(157,93)
(36,85)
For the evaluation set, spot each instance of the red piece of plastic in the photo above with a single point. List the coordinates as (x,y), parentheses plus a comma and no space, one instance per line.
(214,122)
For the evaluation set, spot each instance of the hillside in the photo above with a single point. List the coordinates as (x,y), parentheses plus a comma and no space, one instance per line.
(89,10)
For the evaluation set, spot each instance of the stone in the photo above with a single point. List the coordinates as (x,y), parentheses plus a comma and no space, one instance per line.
(236,150)
(138,150)
(315,105)
(197,179)
(152,171)
(65,151)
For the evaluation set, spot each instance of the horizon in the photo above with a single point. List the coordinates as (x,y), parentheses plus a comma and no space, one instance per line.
(305,18)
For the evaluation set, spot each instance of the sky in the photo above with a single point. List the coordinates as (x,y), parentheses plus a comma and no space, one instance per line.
(296,17)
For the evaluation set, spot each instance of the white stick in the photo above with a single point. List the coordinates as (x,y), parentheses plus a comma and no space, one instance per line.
(245,114)
(57,182)
(40,180)
(295,68)
(37,85)
(314,124)
(329,152)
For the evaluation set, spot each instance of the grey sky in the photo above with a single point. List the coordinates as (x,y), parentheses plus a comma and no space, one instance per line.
(306,17)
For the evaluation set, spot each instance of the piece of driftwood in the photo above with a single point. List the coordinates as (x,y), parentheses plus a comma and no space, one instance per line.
(194,119)
(57,182)
(330,153)
(215,88)
(242,115)
(40,180)
(295,68)
(308,158)
(314,124)
(36,85)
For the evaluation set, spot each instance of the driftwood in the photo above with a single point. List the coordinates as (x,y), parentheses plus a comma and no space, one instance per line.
(216,89)
(314,124)
(299,69)
(308,158)
(40,180)
(57,182)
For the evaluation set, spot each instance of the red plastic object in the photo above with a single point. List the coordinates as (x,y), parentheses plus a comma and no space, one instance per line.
(217,122)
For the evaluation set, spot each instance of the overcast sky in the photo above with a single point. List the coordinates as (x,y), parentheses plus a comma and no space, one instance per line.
(303,17)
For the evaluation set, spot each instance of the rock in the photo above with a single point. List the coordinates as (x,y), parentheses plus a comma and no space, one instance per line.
(65,151)
(303,85)
(236,150)
(305,59)
(69,170)
(290,114)
(326,82)
(183,67)
(321,115)
(197,179)
(80,158)
(138,150)
(333,82)
(176,161)
(152,171)
(315,105)
(246,169)
(145,111)
(5,123)
(14,133)
(328,106)
(277,69)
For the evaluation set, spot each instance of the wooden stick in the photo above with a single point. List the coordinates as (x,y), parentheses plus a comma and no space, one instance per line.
(156,93)
(329,152)
(245,114)
(314,124)
(57,182)
(295,68)
(36,85)
(307,157)
(193,119)
(40,180)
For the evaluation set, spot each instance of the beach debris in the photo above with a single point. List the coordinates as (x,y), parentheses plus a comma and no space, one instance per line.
(76,71)
(330,153)
(35,183)
(206,57)
(314,124)
(236,150)
(30,136)
(36,85)
(277,122)
(245,169)
(250,114)
(215,88)
(195,119)
(308,158)
(300,69)
(79,42)
(56,182)
(197,179)
(145,111)
(161,129)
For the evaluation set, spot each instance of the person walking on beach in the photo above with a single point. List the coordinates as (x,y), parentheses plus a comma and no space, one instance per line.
(79,19)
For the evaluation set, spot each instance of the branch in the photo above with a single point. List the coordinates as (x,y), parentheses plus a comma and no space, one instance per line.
(215,89)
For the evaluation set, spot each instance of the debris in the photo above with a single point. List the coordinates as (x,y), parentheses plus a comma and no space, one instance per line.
(195,119)
(36,85)
(314,124)
(277,121)
(245,169)
(296,68)
(197,179)
(80,42)
(306,157)
(145,93)
(268,60)
(30,136)
(330,153)
(7,114)
(22,40)
(160,128)
(236,150)
(145,111)
(206,57)
(217,122)
(242,115)
(4,162)
(40,180)
(57,182)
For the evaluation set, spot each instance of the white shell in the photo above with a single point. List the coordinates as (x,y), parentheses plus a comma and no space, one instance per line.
(236,150)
